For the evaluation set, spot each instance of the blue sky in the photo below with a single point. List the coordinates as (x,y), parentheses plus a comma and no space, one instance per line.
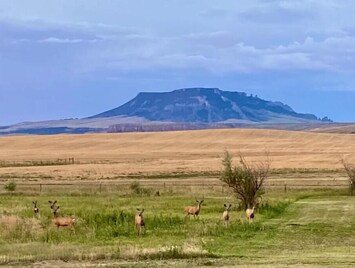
(65,59)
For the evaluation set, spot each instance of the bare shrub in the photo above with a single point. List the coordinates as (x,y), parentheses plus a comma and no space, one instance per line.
(244,179)
(350,171)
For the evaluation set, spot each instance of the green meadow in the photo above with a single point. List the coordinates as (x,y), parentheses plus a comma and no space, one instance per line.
(301,228)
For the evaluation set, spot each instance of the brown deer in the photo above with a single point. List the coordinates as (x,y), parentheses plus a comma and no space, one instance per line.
(139,221)
(250,214)
(225,215)
(35,209)
(195,211)
(62,221)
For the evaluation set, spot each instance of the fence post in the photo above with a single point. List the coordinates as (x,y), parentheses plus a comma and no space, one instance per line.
(285,188)
(100,186)
(40,188)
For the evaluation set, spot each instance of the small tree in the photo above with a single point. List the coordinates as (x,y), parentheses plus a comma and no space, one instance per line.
(350,171)
(245,180)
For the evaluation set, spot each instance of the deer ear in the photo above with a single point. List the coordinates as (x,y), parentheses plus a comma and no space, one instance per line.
(225,205)
(138,209)
(230,205)
(49,201)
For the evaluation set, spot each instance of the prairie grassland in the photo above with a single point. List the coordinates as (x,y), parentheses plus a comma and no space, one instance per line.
(115,156)
(301,228)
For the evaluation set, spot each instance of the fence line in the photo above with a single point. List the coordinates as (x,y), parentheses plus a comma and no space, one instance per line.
(165,186)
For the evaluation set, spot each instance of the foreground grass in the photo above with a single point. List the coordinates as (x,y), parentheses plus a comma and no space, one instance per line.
(296,228)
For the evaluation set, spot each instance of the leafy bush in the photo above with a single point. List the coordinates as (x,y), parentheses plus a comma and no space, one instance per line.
(245,180)
(10,186)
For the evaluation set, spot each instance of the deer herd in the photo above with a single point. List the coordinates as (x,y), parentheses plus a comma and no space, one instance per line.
(67,221)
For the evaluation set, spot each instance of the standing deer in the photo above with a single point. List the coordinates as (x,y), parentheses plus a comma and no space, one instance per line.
(139,221)
(250,214)
(35,208)
(225,215)
(61,221)
(195,211)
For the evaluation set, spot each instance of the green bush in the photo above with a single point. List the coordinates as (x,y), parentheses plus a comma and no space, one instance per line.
(10,186)
(137,189)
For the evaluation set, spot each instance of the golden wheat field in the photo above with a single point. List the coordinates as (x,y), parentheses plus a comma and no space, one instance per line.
(113,155)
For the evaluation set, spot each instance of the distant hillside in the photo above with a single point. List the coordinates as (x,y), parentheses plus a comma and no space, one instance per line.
(183,109)
(207,105)
(343,128)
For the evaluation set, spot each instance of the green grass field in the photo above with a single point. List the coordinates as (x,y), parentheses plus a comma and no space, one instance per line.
(299,228)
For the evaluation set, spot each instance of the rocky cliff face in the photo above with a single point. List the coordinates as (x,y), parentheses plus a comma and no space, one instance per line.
(206,105)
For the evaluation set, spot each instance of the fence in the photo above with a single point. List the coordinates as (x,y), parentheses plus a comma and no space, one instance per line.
(169,186)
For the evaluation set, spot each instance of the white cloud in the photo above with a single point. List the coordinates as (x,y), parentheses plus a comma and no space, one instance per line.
(60,40)
(94,48)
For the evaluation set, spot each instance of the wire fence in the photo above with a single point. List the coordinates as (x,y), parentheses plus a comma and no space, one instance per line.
(158,187)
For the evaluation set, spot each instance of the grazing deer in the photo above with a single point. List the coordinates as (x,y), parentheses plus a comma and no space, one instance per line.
(35,208)
(225,215)
(250,214)
(61,221)
(195,211)
(139,221)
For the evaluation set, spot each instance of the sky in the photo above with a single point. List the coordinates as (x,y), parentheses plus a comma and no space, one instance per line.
(72,59)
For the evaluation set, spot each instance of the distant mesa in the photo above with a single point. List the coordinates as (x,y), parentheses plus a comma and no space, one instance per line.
(182,109)
(208,105)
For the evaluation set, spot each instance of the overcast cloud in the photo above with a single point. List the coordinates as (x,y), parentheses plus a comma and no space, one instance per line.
(76,58)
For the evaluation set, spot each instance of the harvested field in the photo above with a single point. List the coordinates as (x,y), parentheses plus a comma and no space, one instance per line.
(113,156)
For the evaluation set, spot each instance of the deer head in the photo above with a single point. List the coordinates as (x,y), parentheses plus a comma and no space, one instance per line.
(52,204)
(225,215)
(227,208)
(54,207)
(199,203)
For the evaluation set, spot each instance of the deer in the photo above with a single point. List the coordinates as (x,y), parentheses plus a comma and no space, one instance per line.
(225,215)
(195,211)
(61,221)
(250,212)
(52,204)
(139,221)
(35,209)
